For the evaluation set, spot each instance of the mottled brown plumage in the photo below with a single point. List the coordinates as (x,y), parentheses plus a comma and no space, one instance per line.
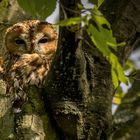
(28,51)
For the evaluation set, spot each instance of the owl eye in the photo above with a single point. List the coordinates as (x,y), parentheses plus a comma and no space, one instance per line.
(19,41)
(43,40)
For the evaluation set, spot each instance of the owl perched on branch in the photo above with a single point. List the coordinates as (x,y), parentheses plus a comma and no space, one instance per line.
(28,51)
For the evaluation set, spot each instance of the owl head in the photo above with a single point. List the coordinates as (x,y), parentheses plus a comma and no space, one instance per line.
(28,37)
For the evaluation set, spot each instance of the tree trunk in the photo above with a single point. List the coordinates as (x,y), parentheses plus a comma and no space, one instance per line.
(79,87)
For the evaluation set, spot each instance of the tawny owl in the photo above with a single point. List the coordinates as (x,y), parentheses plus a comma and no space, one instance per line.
(29,49)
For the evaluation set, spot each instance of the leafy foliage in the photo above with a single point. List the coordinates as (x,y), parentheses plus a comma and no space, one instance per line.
(99,30)
(102,37)
(40,9)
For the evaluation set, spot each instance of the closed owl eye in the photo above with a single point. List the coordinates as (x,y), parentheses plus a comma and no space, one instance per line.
(43,40)
(19,41)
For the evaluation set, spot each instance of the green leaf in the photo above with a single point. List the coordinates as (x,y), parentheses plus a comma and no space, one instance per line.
(97,2)
(40,9)
(129,65)
(121,44)
(98,39)
(101,35)
(80,6)
(115,79)
(116,70)
(70,21)
(104,27)
(100,2)
(119,94)
(117,100)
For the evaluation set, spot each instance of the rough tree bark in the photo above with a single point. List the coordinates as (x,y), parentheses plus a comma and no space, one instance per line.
(78,90)
(86,98)
(79,87)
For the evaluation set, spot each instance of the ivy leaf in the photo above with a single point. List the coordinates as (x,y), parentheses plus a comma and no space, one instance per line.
(40,9)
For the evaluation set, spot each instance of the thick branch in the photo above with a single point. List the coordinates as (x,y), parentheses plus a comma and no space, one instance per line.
(79,87)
